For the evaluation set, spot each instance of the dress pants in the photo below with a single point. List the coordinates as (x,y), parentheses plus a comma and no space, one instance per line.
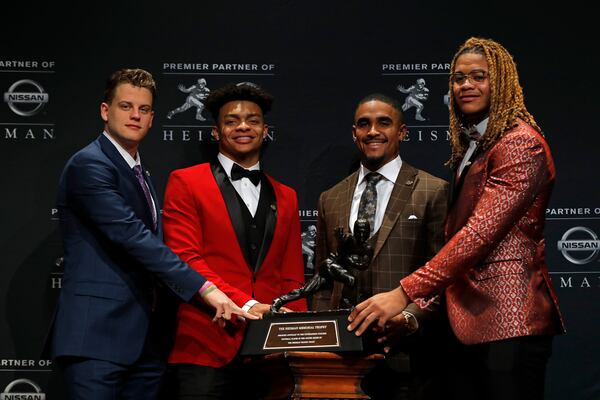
(507,369)
(231,382)
(94,379)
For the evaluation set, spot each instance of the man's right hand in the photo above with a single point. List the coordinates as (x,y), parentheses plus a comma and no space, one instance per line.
(224,307)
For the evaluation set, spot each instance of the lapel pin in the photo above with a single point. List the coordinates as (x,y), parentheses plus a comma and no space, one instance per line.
(409,182)
(274,207)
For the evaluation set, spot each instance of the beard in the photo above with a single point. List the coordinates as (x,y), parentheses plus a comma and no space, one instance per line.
(373,163)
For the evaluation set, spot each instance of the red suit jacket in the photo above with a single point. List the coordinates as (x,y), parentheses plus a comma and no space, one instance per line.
(493,264)
(200,223)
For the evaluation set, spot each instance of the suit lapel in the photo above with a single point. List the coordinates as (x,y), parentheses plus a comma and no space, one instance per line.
(126,172)
(346,193)
(458,180)
(405,184)
(233,206)
(346,201)
(269,194)
(452,189)
(117,159)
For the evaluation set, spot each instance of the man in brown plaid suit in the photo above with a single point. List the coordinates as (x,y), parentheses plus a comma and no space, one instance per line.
(406,208)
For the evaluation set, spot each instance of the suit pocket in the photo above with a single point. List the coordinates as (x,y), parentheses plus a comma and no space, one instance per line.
(409,223)
(498,268)
(105,290)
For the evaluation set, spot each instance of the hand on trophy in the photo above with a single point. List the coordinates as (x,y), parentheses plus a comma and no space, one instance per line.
(259,310)
(393,332)
(224,307)
(381,308)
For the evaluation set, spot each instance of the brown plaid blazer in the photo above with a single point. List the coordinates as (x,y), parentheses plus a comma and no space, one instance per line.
(411,233)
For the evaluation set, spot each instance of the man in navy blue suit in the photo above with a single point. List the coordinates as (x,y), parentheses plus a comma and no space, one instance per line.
(111,331)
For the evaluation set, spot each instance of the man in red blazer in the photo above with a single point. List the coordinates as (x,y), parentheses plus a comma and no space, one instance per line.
(501,304)
(240,228)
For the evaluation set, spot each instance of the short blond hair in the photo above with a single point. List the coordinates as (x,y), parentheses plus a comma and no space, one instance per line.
(134,76)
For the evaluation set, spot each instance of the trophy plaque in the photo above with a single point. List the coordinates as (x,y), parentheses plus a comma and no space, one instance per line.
(301,331)
(317,330)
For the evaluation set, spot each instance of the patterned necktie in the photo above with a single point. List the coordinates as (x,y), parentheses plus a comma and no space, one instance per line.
(237,172)
(472,133)
(140,177)
(368,201)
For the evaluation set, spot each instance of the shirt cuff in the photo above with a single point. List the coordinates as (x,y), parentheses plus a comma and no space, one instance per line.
(249,305)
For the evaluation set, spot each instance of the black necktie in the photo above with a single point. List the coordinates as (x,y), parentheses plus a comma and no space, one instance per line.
(238,172)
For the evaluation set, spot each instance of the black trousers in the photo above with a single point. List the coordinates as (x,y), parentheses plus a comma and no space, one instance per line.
(510,369)
(198,382)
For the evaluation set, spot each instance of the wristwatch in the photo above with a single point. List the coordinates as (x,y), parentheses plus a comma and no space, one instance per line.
(412,325)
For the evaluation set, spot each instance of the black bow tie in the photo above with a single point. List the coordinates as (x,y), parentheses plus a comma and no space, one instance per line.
(238,172)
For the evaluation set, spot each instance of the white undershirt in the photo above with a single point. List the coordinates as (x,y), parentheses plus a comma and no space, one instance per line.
(249,193)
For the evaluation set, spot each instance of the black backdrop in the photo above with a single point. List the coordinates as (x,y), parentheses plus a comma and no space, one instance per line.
(318,59)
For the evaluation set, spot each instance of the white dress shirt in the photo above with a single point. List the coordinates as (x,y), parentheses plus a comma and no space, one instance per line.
(249,193)
(384,191)
(481,128)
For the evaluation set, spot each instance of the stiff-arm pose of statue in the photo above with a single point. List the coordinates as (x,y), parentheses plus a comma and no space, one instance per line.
(354,255)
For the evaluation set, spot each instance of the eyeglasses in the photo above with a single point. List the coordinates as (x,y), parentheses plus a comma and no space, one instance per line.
(475,76)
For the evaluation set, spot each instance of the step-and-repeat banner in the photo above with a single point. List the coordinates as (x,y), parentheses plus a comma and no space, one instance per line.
(318,60)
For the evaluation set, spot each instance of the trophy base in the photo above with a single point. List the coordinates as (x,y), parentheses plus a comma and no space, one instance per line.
(301,331)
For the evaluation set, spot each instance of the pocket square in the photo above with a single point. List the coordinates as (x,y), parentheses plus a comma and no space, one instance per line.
(412,216)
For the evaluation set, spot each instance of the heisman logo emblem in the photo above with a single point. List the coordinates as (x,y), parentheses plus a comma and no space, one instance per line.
(309,241)
(417,95)
(197,93)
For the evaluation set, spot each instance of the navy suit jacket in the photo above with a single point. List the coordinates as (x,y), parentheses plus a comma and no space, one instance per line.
(114,260)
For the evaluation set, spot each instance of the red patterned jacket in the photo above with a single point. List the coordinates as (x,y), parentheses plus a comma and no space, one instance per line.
(493,266)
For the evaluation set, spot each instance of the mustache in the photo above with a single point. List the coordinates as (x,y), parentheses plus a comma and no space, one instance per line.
(378,139)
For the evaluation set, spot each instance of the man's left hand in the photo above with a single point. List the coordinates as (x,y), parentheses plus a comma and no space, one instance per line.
(393,332)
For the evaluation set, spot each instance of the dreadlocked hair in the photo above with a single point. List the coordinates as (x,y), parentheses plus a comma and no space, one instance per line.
(506,97)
